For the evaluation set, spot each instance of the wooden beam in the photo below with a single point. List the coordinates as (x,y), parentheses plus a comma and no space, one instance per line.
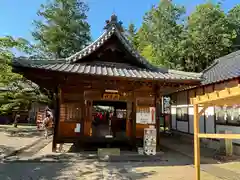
(218,96)
(202,110)
(220,136)
(231,101)
(196,143)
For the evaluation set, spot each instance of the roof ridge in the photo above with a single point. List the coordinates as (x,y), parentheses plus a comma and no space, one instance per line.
(229,56)
(38,61)
(136,53)
(143,59)
(105,36)
(215,62)
(109,31)
(193,74)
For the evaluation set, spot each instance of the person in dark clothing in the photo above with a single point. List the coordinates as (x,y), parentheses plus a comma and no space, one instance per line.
(17,118)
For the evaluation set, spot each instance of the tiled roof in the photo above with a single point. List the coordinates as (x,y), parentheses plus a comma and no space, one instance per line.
(224,68)
(73,64)
(108,69)
(113,30)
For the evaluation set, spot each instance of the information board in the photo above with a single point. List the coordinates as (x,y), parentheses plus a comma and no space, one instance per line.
(146,115)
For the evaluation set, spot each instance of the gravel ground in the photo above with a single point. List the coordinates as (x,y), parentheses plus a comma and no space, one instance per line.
(173,166)
(15,138)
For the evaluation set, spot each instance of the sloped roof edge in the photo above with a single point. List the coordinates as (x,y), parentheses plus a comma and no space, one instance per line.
(224,68)
(113,30)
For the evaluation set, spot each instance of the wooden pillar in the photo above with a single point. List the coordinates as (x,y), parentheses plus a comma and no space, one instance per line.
(56,117)
(133,134)
(196,143)
(84,116)
(157,114)
(88,118)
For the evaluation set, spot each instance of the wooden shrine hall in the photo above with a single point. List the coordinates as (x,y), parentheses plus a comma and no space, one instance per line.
(107,77)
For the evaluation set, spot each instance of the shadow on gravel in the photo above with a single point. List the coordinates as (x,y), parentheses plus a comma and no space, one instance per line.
(21,132)
(30,171)
(4,149)
(83,169)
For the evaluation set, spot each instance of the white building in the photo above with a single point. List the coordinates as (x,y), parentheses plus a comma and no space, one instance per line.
(215,119)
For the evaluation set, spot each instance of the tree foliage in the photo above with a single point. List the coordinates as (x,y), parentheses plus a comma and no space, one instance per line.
(63,29)
(15,92)
(167,37)
(160,33)
(208,36)
(132,34)
(234,21)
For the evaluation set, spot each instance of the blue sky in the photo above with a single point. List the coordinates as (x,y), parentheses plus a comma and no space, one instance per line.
(16,16)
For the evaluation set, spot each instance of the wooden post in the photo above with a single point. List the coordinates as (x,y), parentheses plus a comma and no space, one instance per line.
(196,143)
(56,117)
(158,111)
(133,134)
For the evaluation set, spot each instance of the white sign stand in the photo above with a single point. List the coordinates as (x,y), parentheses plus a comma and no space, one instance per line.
(150,140)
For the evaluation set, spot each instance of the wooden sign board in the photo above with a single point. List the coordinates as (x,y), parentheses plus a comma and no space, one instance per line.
(111,96)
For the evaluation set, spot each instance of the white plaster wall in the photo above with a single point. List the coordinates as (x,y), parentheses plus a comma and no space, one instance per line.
(201,121)
(209,116)
(190,114)
(210,120)
(182,126)
(173,118)
(233,129)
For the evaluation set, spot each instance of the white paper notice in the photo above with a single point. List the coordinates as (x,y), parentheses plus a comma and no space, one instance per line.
(77,128)
(142,117)
(146,115)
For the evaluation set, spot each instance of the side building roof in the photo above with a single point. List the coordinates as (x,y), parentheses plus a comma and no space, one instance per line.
(223,68)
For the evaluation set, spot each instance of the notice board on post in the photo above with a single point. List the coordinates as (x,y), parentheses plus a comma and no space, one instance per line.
(145,115)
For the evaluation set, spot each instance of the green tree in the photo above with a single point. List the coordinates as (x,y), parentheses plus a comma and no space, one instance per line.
(208,36)
(234,20)
(161,32)
(132,34)
(16,92)
(166,38)
(63,29)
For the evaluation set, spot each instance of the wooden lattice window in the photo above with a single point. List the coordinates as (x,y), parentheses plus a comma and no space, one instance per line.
(73,112)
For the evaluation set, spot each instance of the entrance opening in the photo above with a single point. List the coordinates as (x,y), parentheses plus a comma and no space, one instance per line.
(109,119)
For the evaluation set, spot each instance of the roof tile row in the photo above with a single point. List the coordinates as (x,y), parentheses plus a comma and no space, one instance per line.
(105,70)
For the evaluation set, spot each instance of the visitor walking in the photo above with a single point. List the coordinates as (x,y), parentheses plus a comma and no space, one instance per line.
(48,123)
